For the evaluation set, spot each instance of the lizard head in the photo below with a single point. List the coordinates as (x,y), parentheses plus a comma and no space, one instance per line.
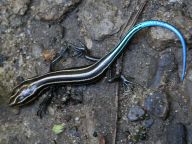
(23,94)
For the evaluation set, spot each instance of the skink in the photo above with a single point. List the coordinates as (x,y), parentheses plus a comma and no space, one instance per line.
(29,90)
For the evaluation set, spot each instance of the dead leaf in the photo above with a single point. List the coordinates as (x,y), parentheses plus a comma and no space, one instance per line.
(48,55)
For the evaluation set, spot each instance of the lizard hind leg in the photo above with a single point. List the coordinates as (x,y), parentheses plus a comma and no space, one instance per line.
(83,51)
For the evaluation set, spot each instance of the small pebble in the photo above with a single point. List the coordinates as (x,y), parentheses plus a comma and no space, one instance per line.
(74,132)
(157,104)
(51,111)
(77,118)
(136,113)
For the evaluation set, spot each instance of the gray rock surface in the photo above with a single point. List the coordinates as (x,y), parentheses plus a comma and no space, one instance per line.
(189,134)
(157,104)
(100,19)
(162,38)
(188,5)
(20,6)
(176,134)
(52,9)
(165,68)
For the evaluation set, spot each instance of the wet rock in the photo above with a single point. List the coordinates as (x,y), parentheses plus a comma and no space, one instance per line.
(165,68)
(161,38)
(52,9)
(157,104)
(100,19)
(176,134)
(136,113)
(20,6)
(74,132)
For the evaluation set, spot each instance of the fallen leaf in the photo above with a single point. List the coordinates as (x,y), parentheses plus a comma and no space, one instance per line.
(58,128)
(48,55)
